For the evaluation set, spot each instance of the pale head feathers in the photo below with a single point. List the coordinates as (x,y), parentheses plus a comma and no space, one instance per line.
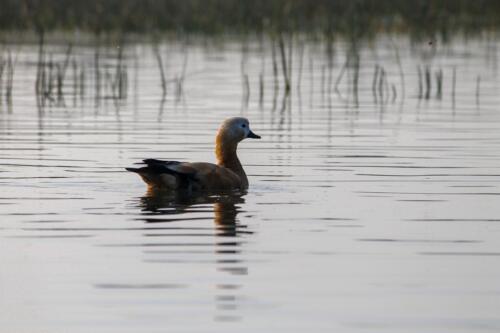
(234,130)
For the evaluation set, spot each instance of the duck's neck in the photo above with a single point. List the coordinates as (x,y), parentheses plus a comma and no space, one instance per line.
(226,157)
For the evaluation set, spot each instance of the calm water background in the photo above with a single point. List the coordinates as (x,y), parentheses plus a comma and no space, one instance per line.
(362,214)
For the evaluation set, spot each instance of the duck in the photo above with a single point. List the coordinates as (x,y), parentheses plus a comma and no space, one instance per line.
(226,174)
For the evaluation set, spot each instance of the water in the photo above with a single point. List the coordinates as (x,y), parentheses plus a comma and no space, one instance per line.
(361,215)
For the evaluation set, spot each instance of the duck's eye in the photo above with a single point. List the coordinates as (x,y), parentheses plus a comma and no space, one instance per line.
(243,125)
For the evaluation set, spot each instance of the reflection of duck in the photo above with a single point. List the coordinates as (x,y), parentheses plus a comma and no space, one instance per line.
(227,246)
(225,205)
(227,174)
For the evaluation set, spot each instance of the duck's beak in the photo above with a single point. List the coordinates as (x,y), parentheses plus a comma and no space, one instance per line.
(252,135)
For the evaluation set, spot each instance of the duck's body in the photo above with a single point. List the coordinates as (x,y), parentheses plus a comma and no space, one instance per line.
(198,176)
(227,174)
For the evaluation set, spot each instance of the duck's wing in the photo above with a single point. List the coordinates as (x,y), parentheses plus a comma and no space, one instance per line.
(168,175)
(216,177)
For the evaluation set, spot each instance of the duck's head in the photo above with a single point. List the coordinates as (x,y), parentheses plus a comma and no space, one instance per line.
(234,130)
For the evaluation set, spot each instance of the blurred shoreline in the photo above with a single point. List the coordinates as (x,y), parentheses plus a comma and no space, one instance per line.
(354,19)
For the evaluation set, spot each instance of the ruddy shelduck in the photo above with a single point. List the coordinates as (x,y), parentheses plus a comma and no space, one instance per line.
(227,174)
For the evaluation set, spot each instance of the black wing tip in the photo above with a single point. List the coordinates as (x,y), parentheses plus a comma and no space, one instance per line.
(136,170)
(150,161)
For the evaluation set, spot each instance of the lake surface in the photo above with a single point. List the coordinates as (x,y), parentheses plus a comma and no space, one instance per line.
(373,203)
